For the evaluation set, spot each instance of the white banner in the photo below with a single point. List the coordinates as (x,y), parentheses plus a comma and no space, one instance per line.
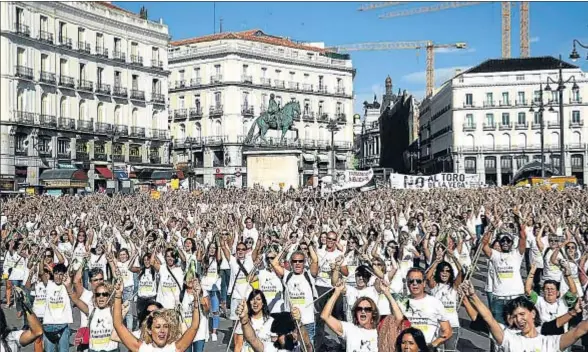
(441,180)
(346,179)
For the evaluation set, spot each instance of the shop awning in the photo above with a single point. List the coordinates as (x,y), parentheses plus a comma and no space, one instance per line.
(162,174)
(322,158)
(121,175)
(308,157)
(63,174)
(144,174)
(341,157)
(105,172)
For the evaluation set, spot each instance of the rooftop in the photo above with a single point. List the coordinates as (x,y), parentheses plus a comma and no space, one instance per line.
(114,7)
(254,35)
(519,64)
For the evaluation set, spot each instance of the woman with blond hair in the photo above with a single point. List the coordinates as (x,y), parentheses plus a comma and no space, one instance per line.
(161,331)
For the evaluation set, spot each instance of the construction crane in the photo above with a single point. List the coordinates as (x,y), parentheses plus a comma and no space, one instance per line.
(506,21)
(427,44)
(378,5)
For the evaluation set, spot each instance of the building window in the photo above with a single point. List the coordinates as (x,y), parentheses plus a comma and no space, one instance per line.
(245,99)
(43,24)
(521,98)
(182,75)
(490,163)
(44,61)
(555,96)
(117,79)
(489,98)
(182,102)
(19,16)
(44,144)
(520,77)
(537,118)
(576,116)
(135,82)
(505,119)
(320,82)
(306,106)
(320,108)
(536,96)
(469,99)
(522,119)
(217,99)
(62,32)
(470,120)
(217,69)
(62,146)
(245,69)
(505,100)
(338,109)
(490,119)
(99,72)
(19,144)
(576,96)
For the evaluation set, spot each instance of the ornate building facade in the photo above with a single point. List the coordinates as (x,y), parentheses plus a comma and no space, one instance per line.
(220,83)
(83,85)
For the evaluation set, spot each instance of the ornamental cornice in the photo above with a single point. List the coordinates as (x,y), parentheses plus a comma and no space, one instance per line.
(507,84)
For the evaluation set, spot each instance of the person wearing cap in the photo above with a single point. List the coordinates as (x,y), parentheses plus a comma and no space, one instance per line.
(286,332)
(507,280)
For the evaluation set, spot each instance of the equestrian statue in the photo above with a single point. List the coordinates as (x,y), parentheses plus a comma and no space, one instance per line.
(274,118)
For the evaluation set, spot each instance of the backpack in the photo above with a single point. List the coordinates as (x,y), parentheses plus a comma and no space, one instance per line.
(307,277)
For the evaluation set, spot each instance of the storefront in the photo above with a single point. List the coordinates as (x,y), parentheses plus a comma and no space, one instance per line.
(67,180)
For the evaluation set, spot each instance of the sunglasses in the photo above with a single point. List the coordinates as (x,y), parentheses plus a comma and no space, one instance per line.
(331,239)
(101,294)
(505,240)
(364,309)
(241,249)
(415,281)
(271,258)
(571,247)
(297,261)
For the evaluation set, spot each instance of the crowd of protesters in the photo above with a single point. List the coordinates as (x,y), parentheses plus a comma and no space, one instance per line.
(384,270)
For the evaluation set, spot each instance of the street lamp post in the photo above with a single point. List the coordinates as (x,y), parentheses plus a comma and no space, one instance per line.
(540,105)
(574,54)
(113,138)
(190,163)
(333,127)
(560,88)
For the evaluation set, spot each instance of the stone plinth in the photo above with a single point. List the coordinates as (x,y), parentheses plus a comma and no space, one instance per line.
(272,168)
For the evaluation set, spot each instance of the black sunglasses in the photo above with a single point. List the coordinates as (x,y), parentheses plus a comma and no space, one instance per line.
(101,294)
(413,281)
(364,309)
(241,249)
(294,261)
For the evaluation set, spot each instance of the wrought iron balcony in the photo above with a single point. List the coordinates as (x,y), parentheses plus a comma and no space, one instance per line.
(137,94)
(154,159)
(63,155)
(121,130)
(85,125)
(505,126)
(576,122)
(82,156)
(137,60)
(247,110)
(308,116)
(266,82)
(341,118)
(216,79)
(46,37)
(470,104)
(322,89)
(489,126)
(553,124)
(489,103)
(468,127)
(340,90)
(521,102)
(157,64)
(103,88)
(120,92)
(119,56)
(100,156)
(65,42)
(246,79)
(278,83)
(342,145)
(67,123)
(180,114)
(575,100)
(22,29)
(196,112)
(137,131)
(158,98)
(47,77)
(536,125)
(48,120)
(135,158)
(23,72)
(101,52)
(84,47)
(195,82)
(307,87)
(504,103)
(159,134)
(103,127)
(67,81)
(25,117)
(180,84)
(119,158)
(293,85)
(216,110)
(86,85)
(323,118)
(521,126)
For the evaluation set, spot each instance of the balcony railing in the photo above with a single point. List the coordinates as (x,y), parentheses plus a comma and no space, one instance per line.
(159,134)
(504,103)
(100,156)
(67,123)
(278,83)
(489,126)
(137,60)
(505,126)
(118,158)
(24,72)
(180,114)
(575,100)
(553,124)
(157,64)
(576,123)
(63,155)
(308,116)
(103,127)
(154,159)
(25,117)
(158,98)
(323,118)
(196,112)
(85,125)
(67,81)
(340,118)
(84,47)
(103,88)
(468,104)
(536,125)
(137,131)
(293,85)
(521,126)
(119,56)
(489,103)
(65,42)
(101,52)
(246,79)
(47,77)
(48,120)
(340,90)
(82,156)
(469,127)
(216,79)
(46,37)
(120,92)
(122,130)
(180,84)
(135,158)
(137,94)
(307,87)
(322,89)
(266,82)
(216,110)
(22,29)
(521,103)
(247,110)
(86,85)
(195,82)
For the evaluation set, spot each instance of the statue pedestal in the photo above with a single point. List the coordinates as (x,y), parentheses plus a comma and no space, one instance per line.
(273,169)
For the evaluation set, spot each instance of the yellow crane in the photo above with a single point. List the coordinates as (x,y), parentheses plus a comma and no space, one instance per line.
(506,20)
(427,44)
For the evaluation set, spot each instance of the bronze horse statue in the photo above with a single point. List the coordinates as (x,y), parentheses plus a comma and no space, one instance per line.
(282,121)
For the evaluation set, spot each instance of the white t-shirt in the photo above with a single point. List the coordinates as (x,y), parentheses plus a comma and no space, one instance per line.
(125,273)
(188,309)
(13,341)
(326,258)
(425,314)
(262,331)
(352,262)
(168,293)
(448,297)
(86,297)
(507,273)
(551,311)
(19,267)
(101,328)
(300,294)
(152,348)
(78,255)
(241,285)
(211,279)
(358,339)
(148,284)
(40,296)
(251,233)
(271,286)
(513,341)
(98,261)
(57,305)
(353,294)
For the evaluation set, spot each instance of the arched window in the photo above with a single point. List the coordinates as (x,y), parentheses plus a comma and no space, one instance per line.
(470,141)
(182,132)
(506,140)
(554,139)
(218,129)
(522,140)
(117,115)
(82,110)
(197,130)
(63,107)
(154,119)
(489,141)
(20,100)
(44,104)
(307,132)
(576,138)
(135,118)
(100,113)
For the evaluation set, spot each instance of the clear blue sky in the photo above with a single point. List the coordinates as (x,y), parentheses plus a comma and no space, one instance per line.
(553,25)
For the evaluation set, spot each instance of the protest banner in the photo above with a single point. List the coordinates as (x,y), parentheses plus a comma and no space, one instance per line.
(441,180)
